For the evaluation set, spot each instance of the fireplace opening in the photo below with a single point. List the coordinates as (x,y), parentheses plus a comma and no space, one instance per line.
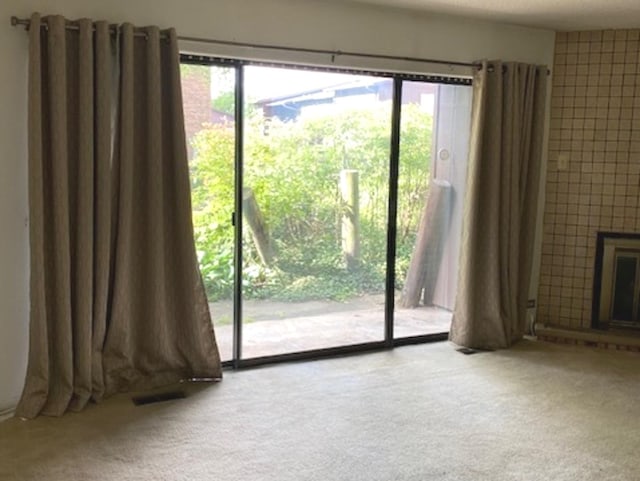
(616,293)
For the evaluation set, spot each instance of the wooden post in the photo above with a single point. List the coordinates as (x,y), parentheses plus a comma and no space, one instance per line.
(258,226)
(425,258)
(350,218)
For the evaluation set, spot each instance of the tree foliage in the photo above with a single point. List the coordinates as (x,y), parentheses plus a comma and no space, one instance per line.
(293,169)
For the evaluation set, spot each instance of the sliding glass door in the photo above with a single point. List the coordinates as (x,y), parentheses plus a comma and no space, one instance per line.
(209,106)
(298,178)
(434,141)
(314,196)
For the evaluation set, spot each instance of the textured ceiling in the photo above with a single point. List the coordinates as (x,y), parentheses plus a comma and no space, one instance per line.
(560,15)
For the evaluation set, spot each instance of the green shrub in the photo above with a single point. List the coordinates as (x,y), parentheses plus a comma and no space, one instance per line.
(294,173)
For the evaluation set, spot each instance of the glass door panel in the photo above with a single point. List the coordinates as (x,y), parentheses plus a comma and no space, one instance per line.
(315,198)
(208,101)
(431,182)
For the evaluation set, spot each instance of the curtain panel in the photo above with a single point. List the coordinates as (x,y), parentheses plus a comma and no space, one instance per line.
(117,300)
(501,203)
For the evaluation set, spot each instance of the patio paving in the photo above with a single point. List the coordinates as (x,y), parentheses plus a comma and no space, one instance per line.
(272,328)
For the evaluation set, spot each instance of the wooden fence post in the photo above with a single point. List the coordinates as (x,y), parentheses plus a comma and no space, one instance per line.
(350,218)
(425,259)
(258,226)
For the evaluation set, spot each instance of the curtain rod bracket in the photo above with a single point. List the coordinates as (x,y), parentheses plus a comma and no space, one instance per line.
(15,21)
(25,22)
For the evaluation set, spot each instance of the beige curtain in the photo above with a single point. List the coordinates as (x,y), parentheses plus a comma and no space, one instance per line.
(117,301)
(500,205)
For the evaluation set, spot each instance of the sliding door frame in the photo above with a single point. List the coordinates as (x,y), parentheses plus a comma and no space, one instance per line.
(237,214)
(389,342)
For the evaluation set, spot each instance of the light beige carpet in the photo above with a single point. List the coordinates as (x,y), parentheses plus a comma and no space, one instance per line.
(535,412)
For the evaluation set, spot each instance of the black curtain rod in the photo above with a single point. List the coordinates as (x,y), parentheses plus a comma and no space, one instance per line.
(15,21)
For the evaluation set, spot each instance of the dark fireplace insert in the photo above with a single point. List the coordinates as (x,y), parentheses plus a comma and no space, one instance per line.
(616,281)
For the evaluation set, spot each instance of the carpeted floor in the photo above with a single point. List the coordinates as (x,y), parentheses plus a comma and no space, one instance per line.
(535,412)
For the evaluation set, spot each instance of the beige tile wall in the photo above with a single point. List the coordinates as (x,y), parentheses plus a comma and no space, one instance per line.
(595,126)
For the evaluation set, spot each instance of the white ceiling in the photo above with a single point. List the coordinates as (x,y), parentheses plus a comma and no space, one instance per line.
(560,15)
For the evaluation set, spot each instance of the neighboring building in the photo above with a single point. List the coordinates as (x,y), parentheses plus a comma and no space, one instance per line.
(347,94)
(198,113)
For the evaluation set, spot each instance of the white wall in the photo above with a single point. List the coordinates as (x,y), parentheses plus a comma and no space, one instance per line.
(322,25)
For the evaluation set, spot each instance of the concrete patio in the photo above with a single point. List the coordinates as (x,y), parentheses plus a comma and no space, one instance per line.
(272,327)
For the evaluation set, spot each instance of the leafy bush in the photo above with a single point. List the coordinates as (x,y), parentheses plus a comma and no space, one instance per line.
(293,169)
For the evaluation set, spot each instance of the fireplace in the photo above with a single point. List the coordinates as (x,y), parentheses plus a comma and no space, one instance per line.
(616,285)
